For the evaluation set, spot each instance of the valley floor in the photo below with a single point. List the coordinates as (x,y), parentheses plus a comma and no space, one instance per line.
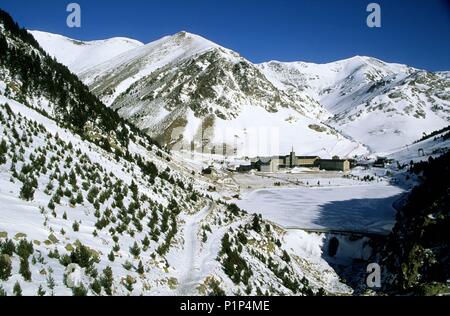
(361,208)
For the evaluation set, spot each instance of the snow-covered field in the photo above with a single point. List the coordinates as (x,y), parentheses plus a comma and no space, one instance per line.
(360,208)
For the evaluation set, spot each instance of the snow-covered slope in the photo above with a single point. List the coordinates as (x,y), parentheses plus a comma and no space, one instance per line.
(81,55)
(109,80)
(433,146)
(387,115)
(332,83)
(444,74)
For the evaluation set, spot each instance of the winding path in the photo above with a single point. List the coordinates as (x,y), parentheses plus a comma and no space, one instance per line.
(194,258)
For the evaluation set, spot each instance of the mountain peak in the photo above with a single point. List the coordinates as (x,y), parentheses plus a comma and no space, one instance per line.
(189,39)
(182,34)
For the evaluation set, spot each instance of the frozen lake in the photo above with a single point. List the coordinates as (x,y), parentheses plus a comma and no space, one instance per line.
(361,208)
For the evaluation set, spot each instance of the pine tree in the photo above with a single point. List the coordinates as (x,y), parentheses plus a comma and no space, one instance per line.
(256,223)
(242,238)
(83,257)
(107,280)
(25,269)
(8,247)
(51,205)
(2,292)
(155,234)
(111,256)
(286,258)
(72,179)
(24,249)
(129,282)
(3,151)
(5,267)
(127,265)
(140,268)
(79,199)
(116,248)
(278,243)
(27,191)
(79,291)
(73,201)
(321,292)
(135,250)
(41,291)
(56,198)
(50,282)
(215,289)
(96,287)
(17,290)
(146,242)
(76,226)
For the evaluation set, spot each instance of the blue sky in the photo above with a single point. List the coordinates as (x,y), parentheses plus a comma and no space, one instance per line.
(414,32)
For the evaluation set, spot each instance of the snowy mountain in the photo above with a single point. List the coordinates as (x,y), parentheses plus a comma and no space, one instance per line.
(187,91)
(184,88)
(332,83)
(92,206)
(371,100)
(401,112)
(81,55)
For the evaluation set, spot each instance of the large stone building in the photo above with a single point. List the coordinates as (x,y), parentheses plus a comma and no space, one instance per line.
(267,165)
(273,164)
(334,164)
(292,160)
(307,161)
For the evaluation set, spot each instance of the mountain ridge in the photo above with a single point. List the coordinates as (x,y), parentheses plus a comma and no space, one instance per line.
(188,71)
(79,55)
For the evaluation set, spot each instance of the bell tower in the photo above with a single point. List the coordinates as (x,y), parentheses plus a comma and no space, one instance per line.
(293,158)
